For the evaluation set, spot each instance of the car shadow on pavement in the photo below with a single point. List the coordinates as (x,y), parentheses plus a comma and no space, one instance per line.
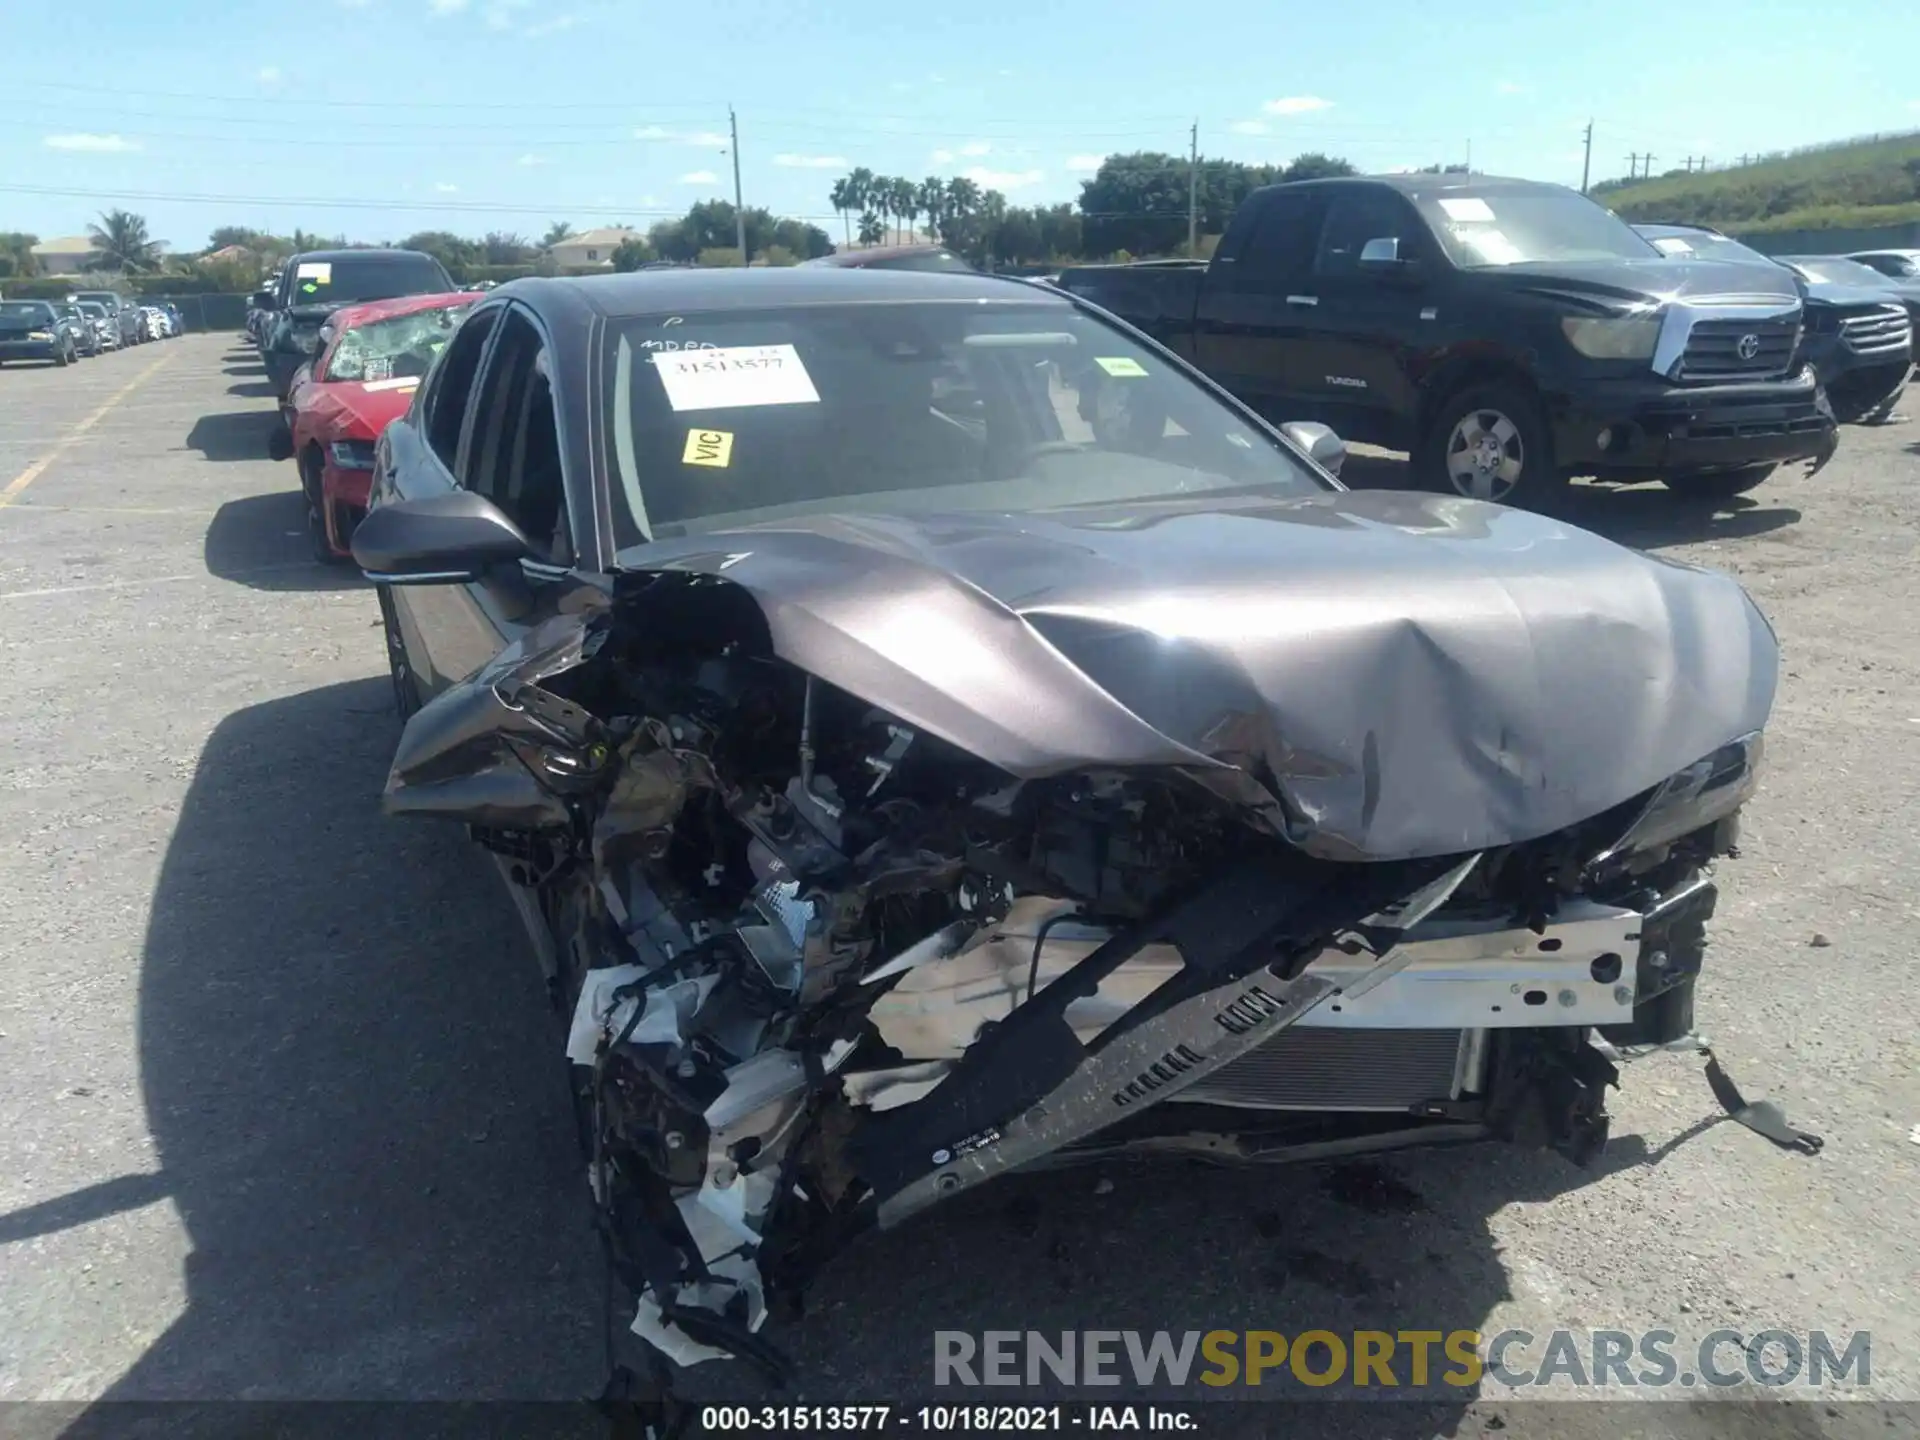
(354,1088)
(362,1122)
(1644,516)
(252,389)
(261,541)
(237,435)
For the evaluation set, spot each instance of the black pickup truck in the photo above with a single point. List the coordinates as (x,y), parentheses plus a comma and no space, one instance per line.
(1508,334)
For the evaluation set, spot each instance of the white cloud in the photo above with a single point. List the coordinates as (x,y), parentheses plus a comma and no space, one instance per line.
(976,147)
(445,189)
(269,75)
(699,177)
(810,162)
(551,27)
(1085,163)
(652,132)
(529,161)
(1248,127)
(944,157)
(1508,87)
(705,139)
(1296,105)
(95,144)
(1004,179)
(446,7)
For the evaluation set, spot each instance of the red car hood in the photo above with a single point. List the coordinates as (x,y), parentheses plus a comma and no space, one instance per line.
(352,410)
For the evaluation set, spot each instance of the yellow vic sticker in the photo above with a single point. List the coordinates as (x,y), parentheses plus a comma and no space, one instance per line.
(708,447)
(1121,367)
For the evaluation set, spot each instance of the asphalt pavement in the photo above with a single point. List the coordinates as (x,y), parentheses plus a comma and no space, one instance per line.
(281,1110)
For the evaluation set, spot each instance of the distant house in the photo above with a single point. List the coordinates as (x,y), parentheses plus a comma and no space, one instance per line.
(229,253)
(63,255)
(592,250)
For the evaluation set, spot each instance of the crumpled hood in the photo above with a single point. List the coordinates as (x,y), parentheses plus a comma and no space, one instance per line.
(1413,674)
(349,410)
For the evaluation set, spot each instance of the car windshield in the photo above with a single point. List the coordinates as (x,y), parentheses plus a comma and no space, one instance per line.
(403,345)
(1904,266)
(94,309)
(339,282)
(1526,227)
(99,297)
(1698,245)
(889,409)
(25,310)
(1838,272)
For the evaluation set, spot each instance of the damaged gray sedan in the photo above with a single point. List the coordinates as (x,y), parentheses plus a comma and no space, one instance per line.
(930,731)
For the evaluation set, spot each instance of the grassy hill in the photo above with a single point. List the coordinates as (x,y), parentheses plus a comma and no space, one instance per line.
(1865,182)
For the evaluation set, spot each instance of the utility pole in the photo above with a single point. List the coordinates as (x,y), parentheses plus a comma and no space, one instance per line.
(1469,156)
(1193,191)
(1586,164)
(1646,166)
(739,205)
(1633,166)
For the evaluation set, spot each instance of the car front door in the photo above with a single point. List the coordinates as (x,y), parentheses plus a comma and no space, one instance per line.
(1364,330)
(1256,306)
(509,452)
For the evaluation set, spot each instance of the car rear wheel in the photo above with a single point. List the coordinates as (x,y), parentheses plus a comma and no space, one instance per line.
(1718,485)
(1489,442)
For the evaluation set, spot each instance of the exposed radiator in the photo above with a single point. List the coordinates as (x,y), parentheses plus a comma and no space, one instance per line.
(1330,1069)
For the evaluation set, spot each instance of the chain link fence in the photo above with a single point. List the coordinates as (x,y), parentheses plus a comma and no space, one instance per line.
(205,312)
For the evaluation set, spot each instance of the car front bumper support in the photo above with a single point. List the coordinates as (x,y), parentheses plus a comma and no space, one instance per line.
(1645,429)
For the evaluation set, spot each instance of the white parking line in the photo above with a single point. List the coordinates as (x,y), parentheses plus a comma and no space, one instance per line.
(33,472)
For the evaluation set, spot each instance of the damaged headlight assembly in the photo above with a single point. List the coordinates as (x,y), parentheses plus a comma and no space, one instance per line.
(1709,790)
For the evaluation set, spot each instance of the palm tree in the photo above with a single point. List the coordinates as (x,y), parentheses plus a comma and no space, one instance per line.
(933,202)
(556,232)
(120,243)
(880,202)
(904,197)
(872,229)
(841,198)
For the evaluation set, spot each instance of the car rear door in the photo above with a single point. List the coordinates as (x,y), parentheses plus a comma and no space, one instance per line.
(1256,306)
(509,452)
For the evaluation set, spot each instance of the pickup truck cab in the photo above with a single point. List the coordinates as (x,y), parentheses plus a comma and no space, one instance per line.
(1508,334)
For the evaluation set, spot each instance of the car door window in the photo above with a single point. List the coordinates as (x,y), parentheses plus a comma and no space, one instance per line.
(451,387)
(513,454)
(1355,218)
(1280,251)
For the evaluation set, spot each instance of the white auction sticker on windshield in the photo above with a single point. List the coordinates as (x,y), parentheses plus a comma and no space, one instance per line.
(1471,208)
(734,376)
(320,270)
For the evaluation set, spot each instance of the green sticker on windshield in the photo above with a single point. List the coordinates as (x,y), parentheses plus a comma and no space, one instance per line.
(1120,366)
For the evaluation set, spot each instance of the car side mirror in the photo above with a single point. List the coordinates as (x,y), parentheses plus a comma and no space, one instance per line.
(436,540)
(1381,256)
(1323,446)
(262,300)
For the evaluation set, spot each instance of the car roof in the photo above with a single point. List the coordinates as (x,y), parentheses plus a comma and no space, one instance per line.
(874,254)
(653,292)
(1422,185)
(365,314)
(378,254)
(1664,228)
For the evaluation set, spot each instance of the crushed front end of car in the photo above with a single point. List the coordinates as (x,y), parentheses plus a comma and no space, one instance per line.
(862,892)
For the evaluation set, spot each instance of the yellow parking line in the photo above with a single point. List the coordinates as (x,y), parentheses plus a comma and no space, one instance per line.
(33,472)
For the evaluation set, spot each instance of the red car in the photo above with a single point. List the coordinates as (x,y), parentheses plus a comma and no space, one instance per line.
(371,360)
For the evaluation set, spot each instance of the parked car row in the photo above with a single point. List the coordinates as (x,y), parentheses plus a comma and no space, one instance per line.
(932,730)
(87,322)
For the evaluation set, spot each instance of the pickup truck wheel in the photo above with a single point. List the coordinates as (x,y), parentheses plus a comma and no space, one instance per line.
(1490,442)
(1717,485)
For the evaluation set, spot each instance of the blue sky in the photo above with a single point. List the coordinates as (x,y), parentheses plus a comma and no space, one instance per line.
(382,117)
